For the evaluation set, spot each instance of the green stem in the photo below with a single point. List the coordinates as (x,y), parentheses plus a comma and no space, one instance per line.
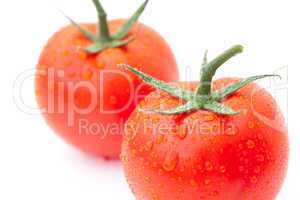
(103,31)
(209,70)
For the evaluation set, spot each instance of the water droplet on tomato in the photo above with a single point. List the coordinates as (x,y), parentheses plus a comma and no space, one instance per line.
(250,125)
(207,181)
(231,131)
(222,169)
(170,161)
(260,136)
(113,100)
(253,179)
(72,75)
(208,166)
(260,158)
(149,146)
(160,138)
(257,169)
(160,172)
(193,183)
(182,132)
(241,168)
(66,53)
(124,159)
(100,65)
(208,118)
(179,178)
(215,193)
(250,144)
(87,75)
(133,152)
(147,179)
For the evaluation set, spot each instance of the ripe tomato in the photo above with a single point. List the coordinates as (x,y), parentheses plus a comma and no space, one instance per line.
(203,153)
(85,97)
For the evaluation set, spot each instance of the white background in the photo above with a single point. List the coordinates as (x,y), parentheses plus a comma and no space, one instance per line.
(36,164)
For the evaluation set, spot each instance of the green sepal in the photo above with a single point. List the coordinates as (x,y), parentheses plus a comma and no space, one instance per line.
(84,31)
(188,107)
(125,29)
(236,86)
(219,108)
(174,91)
(96,47)
(208,70)
(119,43)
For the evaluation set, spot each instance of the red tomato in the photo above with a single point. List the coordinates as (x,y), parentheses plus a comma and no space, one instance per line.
(205,155)
(85,96)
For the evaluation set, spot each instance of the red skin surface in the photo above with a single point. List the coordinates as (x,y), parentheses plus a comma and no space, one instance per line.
(64,52)
(245,160)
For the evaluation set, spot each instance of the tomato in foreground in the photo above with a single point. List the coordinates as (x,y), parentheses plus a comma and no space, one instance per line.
(225,141)
(84,96)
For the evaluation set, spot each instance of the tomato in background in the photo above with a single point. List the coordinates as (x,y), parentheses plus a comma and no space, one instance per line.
(85,96)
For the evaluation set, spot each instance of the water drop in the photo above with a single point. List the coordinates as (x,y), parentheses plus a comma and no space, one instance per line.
(250,144)
(208,166)
(260,136)
(87,75)
(149,146)
(257,169)
(113,100)
(222,169)
(147,179)
(66,53)
(100,65)
(193,183)
(250,125)
(253,179)
(207,181)
(170,161)
(124,159)
(133,152)
(160,172)
(241,168)
(72,75)
(160,139)
(208,118)
(231,131)
(215,193)
(182,132)
(260,158)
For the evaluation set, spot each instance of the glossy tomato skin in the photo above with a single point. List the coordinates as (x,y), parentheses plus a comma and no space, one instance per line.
(68,76)
(202,155)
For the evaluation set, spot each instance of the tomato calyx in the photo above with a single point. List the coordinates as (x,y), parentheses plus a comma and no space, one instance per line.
(104,39)
(203,97)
